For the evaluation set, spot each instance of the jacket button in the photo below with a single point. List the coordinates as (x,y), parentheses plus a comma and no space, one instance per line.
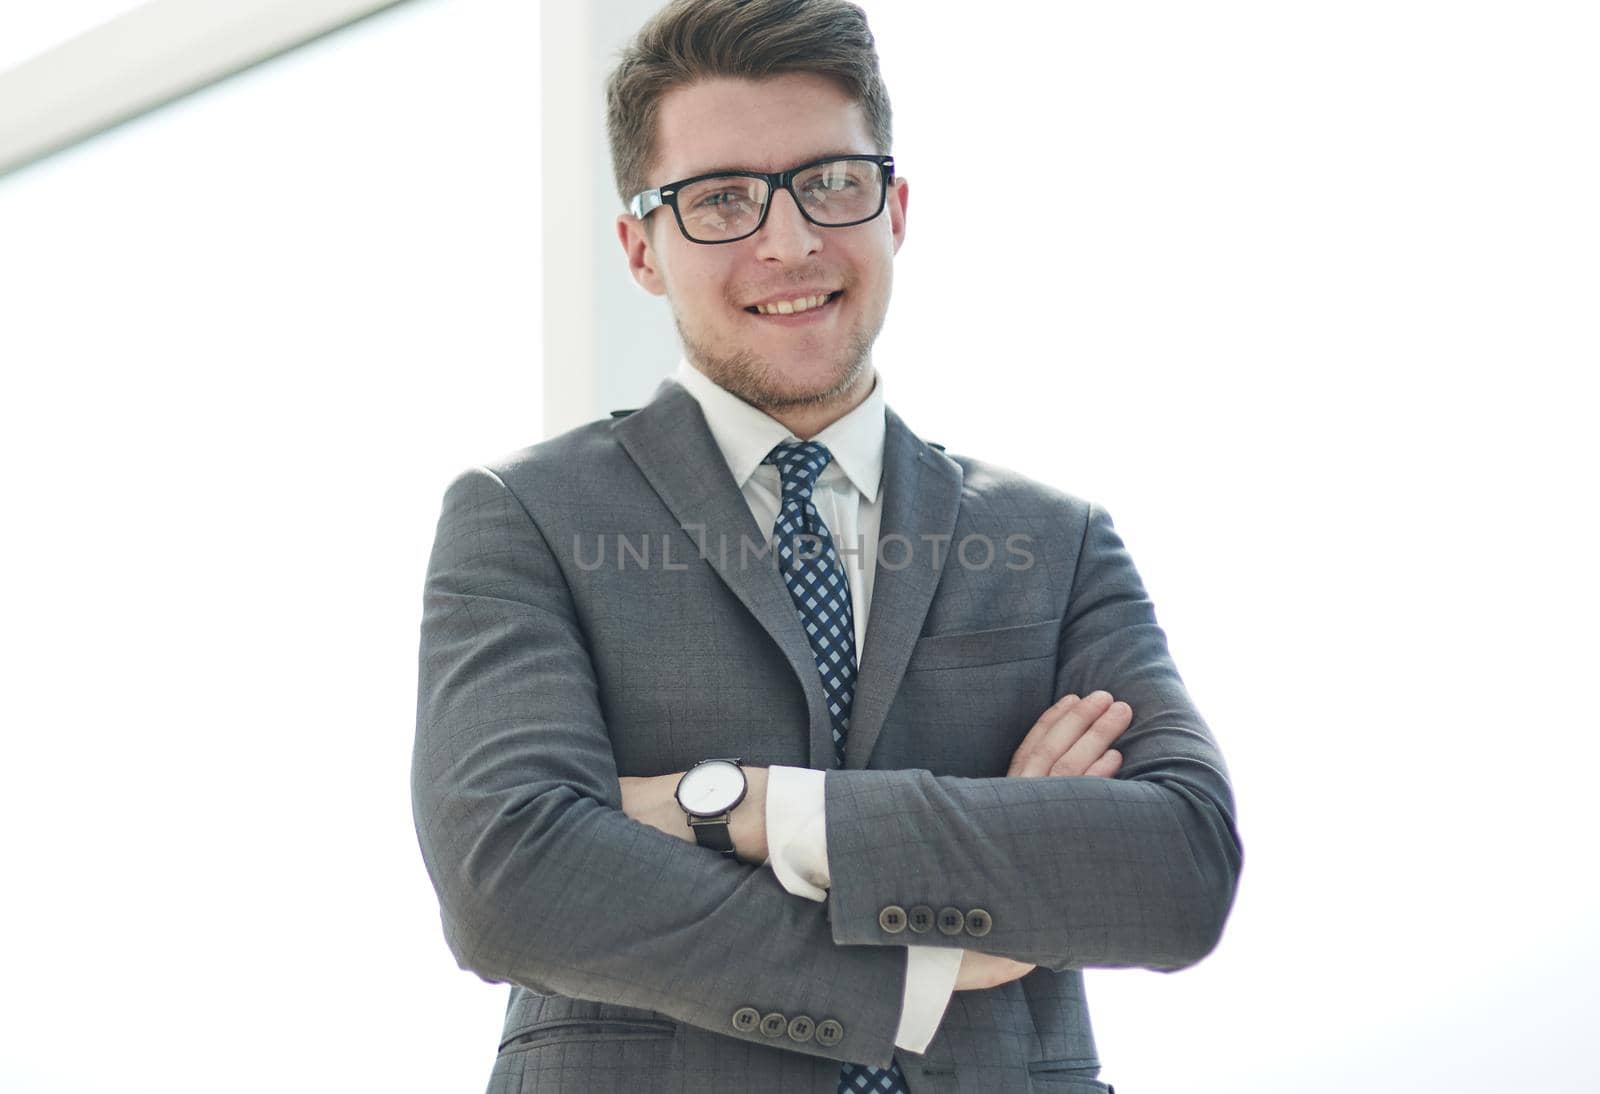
(951,921)
(745,1019)
(774,1024)
(800,1028)
(893,919)
(979,922)
(829,1032)
(921,919)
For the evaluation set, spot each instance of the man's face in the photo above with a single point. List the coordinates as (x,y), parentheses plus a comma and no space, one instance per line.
(774,363)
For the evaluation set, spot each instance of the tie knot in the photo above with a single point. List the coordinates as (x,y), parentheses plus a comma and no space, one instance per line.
(799,463)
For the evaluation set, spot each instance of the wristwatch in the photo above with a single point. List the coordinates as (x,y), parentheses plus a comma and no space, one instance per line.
(707,793)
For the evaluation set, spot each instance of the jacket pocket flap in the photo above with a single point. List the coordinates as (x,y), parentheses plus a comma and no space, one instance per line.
(586,1029)
(990,647)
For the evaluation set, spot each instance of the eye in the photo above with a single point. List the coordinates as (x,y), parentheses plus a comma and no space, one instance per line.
(830,184)
(722,199)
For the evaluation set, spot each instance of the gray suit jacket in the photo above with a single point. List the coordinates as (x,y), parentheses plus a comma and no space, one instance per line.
(638,962)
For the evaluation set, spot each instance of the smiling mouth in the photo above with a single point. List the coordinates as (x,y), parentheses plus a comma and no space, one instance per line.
(798,306)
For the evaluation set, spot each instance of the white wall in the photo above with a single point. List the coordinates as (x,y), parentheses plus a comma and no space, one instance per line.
(27,30)
(607,342)
(246,342)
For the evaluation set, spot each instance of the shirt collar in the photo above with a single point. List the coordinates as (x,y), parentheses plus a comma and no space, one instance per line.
(745,435)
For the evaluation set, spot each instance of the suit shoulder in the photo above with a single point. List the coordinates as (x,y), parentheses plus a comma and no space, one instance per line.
(1007,489)
(558,464)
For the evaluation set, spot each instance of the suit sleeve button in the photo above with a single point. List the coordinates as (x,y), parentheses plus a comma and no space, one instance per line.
(800,1028)
(921,918)
(979,922)
(893,919)
(745,1019)
(951,921)
(829,1032)
(774,1024)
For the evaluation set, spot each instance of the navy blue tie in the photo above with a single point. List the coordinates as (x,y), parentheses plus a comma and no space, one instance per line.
(821,591)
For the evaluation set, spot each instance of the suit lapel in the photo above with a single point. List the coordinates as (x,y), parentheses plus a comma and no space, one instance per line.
(669,441)
(921,496)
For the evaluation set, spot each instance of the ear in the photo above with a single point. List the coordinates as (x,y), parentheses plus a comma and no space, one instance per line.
(899,192)
(643,261)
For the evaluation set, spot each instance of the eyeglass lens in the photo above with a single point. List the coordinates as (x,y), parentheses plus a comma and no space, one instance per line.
(836,193)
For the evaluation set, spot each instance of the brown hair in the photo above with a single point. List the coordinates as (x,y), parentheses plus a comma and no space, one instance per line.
(692,40)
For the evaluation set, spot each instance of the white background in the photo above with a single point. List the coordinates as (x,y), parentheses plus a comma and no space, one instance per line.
(27,30)
(247,340)
(1304,294)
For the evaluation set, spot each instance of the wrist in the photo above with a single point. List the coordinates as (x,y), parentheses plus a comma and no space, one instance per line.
(747,826)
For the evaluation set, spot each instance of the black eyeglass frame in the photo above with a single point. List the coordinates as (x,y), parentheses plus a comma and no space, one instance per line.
(647,202)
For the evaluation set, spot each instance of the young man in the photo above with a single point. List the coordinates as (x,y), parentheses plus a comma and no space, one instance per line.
(730,755)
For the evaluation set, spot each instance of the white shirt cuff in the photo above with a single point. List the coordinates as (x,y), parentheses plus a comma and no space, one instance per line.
(797,830)
(930,979)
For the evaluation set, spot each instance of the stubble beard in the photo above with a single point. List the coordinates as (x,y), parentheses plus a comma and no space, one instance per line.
(751,377)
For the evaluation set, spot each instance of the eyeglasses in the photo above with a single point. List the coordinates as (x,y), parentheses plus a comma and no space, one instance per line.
(732,205)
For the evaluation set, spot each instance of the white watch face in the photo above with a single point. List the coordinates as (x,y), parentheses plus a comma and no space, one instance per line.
(711,788)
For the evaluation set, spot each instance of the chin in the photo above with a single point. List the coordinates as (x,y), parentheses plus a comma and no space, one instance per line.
(776,382)
(806,376)
(802,382)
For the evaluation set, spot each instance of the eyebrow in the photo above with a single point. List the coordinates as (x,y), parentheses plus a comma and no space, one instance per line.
(824,155)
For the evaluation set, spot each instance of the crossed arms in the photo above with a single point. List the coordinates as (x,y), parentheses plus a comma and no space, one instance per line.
(1072,737)
(545,881)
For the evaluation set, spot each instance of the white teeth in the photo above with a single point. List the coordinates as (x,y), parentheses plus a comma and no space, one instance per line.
(793,307)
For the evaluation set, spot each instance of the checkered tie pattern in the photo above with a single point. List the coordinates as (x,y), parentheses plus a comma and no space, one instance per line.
(821,591)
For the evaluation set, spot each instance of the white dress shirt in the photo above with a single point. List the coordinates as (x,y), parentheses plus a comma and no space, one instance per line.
(847,499)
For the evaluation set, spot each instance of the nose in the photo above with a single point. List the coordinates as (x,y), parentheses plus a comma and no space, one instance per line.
(787,236)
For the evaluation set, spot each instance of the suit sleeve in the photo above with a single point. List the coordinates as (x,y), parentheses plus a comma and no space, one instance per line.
(1064,872)
(542,879)
(797,823)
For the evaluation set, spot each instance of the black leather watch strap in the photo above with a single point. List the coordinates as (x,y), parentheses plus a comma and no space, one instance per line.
(713,832)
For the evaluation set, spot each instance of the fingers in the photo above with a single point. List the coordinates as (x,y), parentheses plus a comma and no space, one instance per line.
(1106,767)
(1031,742)
(1071,736)
(1092,744)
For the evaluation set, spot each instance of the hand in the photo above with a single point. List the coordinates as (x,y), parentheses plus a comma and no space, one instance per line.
(1068,739)
(987,970)
(1071,737)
